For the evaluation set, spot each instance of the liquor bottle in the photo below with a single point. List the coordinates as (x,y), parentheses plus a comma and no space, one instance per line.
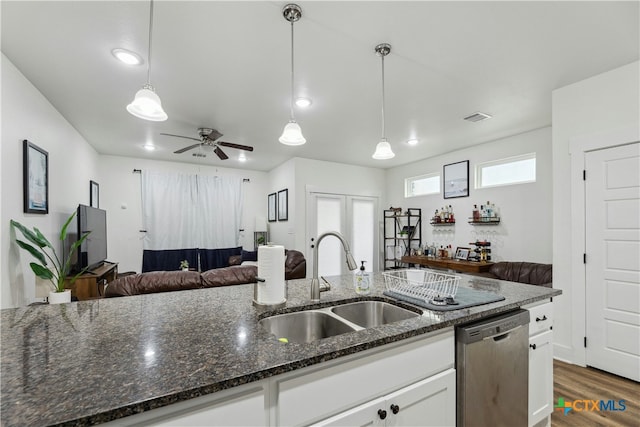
(476,213)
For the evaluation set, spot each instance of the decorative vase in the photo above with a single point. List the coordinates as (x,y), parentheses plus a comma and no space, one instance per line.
(60,297)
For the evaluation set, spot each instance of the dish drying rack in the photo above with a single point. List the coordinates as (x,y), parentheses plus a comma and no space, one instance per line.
(424,285)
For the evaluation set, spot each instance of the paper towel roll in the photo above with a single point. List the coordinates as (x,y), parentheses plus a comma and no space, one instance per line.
(271,269)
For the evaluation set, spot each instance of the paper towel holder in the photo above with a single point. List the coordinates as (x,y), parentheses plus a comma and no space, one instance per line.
(263,305)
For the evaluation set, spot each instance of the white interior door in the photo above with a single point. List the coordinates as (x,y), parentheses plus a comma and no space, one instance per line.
(352,216)
(612,195)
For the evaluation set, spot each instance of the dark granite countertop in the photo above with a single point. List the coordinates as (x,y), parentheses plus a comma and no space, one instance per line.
(89,362)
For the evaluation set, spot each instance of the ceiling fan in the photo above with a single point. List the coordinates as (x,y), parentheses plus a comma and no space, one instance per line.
(210,137)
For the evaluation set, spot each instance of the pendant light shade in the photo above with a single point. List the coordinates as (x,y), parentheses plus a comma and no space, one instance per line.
(383,148)
(146,104)
(292,133)
(383,151)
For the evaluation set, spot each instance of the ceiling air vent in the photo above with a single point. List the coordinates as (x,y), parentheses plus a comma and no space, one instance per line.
(477,117)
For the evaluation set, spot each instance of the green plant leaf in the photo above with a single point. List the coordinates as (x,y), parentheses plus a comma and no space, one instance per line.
(29,235)
(63,231)
(41,237)
(41,272)
(33,251)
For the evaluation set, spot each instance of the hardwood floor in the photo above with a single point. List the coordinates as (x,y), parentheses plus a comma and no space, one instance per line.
(574,383)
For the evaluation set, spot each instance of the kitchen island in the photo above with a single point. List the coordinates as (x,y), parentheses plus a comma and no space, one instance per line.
(90,362)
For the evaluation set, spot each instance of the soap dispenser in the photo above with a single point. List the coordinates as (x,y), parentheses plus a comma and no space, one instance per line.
(361,281)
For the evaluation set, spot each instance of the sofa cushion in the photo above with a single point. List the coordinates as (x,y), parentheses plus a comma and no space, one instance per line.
(523,272)
(226,276)
(249,255)
(153,281)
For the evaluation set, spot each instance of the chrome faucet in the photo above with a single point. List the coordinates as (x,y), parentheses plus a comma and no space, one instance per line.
(351,263)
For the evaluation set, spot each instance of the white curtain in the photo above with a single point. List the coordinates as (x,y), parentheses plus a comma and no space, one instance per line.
(181,211)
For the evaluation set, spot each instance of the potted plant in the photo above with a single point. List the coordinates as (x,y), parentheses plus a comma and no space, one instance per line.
(50,266)
(184,265)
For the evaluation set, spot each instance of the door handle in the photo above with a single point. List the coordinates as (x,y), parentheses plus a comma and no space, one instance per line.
(533,346)
(382,414)
(395,409)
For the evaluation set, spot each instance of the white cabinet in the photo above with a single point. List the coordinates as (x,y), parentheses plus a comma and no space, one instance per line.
(245,405)
(430,402)
(540,363)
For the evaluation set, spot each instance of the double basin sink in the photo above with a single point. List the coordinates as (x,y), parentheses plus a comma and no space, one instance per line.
(312,325)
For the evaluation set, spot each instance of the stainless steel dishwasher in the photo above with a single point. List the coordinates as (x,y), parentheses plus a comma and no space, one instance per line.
(492,362)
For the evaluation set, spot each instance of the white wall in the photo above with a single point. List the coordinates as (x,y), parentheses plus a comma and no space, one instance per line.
(603,103)
(26,114)
(280,178)
(524,233)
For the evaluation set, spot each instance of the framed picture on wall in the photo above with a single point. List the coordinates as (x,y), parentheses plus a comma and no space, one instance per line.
(271,207)
(94,194)
(456,180)
(283,205)
(35,178)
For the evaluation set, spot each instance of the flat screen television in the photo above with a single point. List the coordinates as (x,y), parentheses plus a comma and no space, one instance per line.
(93,250)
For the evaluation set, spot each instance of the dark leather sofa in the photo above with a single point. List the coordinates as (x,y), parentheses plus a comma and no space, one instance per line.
(168,281)
(522,272)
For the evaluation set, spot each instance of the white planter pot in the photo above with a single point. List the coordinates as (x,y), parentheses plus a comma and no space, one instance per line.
(60,297)
(185,269)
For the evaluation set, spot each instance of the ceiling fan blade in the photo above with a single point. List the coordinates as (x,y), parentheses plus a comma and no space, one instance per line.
(180,136)
(182,150)
(232,145)
(213,135)
(220,153)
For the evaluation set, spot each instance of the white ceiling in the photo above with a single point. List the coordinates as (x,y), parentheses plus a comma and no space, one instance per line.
(226,65)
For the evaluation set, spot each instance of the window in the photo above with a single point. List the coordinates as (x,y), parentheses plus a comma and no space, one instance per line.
(514,170)
(422,185)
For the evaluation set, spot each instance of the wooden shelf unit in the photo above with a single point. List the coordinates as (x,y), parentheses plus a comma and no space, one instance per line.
(90,285)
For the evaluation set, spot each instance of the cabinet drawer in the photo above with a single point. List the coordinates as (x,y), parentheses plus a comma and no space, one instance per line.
(541,317)
(339,386)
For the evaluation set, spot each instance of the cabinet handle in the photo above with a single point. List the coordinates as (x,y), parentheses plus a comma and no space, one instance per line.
(395,409)
(533,346)
(382,414)
(544,317)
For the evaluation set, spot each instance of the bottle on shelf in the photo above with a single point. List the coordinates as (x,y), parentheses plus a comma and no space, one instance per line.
(488,208)
(476,213)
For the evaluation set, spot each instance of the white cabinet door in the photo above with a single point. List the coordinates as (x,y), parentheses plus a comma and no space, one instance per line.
(540,376)
(430,402)
(360,416)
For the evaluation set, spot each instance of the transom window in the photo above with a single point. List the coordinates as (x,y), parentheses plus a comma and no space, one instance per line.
(422,185)
(513,170)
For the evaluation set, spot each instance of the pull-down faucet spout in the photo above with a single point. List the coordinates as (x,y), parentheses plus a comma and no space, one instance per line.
(351,263)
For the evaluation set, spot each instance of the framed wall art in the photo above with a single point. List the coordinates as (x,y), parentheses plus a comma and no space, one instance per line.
(462,253)
(283,205)
(455,181)
(35,169)
(94,194)
(271,207)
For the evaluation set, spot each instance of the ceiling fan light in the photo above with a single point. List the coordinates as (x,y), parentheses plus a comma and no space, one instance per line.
(147,105)
(292,134)
(383,150)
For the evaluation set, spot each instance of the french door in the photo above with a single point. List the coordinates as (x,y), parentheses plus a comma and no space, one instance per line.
(355,217)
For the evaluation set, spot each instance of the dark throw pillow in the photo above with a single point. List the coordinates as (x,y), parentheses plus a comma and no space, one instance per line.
(249,255)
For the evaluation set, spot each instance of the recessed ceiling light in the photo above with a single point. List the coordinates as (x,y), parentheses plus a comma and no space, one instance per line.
(303,102)
(126,56)
(412,141)
(149,146)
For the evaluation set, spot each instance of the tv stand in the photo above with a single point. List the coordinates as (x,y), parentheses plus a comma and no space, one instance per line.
(90,284)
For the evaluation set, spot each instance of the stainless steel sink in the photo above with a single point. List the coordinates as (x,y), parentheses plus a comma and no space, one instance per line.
(312,325)
(304,326)
(368,314)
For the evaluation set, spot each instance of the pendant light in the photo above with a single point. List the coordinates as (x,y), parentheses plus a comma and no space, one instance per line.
(146,104)
(383,149)
(292,134)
